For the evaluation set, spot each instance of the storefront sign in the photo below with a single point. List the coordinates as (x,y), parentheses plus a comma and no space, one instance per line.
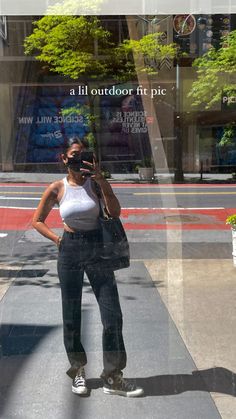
(184,24)
(228,100)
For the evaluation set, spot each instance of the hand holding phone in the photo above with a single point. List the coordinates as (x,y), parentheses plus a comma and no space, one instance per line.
(87,162)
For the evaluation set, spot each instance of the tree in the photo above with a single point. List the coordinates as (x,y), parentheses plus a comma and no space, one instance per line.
(215,71)
(72,46)
(76,48)
(215,77)
(152,49)
(79,48)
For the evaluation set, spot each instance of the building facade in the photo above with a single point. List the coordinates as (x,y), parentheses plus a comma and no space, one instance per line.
(132,125)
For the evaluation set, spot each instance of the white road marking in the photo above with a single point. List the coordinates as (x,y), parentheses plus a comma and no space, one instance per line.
(173,208)
(23,208)
(120,185)
(133,208)
(22,186)
(185,193)
(3,235)
(17,197)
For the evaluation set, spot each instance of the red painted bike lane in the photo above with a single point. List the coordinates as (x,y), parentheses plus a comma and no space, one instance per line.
(133,219)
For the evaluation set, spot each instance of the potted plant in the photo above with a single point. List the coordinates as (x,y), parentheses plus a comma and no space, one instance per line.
(146,169)
(231,220)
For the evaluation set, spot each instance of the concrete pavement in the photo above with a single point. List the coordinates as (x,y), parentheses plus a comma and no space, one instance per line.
(116,177)
(179,322)
(200,297)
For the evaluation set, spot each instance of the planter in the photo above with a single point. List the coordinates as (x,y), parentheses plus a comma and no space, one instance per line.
(234,245)
(146,173)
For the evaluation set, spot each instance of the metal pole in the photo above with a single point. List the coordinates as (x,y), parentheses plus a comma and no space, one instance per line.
(178,141)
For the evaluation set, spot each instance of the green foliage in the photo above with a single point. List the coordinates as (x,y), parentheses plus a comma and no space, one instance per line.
(231,220)
(90,137)
(89,120)
(228,135)
(106,173)
(146,162)
(214,73)
(73,7)
(70,45)
(77,46)
(80,109)
(152,49)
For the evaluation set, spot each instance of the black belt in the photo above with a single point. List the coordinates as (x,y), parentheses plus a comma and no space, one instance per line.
(81,233)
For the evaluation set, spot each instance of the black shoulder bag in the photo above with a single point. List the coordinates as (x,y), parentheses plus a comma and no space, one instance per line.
(114,250)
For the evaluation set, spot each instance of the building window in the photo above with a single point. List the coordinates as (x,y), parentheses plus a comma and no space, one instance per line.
(3,27)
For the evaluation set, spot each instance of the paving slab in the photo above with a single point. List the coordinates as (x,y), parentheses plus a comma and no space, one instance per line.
(22,248)
(33,361)
(200,297)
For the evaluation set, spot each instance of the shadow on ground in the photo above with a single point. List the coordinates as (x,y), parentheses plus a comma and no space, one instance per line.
(23,273)
(18,342)
(218,379)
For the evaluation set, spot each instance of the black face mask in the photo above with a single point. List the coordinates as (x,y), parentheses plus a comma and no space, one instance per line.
(74,163)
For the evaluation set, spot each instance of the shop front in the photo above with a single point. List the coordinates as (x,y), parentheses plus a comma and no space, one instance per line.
(45,115)
(125,122)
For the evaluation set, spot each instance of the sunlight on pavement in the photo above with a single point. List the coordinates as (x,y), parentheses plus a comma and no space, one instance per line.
(200,297)
(6,280)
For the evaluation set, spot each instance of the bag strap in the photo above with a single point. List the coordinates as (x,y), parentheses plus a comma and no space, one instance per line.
(102,210)
(99,195)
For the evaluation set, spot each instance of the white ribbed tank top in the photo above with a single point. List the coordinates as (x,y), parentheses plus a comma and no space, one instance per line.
(79,207)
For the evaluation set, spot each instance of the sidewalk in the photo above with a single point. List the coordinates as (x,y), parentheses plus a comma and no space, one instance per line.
(179,322)
(17,177)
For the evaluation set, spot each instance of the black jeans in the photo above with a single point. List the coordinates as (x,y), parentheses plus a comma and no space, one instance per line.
(78,254)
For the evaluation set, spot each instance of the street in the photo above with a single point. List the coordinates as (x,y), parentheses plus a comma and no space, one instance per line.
(148,211)
(143,206)
(149,214)
(136,195)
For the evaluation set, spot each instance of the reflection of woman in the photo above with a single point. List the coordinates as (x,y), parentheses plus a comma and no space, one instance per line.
(79,209)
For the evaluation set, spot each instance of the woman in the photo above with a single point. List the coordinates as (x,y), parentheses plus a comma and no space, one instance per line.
(79,209)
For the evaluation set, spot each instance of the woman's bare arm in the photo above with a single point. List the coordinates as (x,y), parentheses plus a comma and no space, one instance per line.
(48,200)
(111,202)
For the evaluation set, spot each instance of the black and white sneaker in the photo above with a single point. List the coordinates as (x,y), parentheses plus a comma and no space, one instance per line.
(122,387)
(79,383)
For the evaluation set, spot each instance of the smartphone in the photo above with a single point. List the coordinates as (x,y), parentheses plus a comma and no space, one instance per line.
(86,156)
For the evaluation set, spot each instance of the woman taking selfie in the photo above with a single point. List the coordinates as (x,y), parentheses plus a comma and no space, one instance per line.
(77,254)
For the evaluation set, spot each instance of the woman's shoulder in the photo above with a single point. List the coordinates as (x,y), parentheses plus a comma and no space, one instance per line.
(56,187)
